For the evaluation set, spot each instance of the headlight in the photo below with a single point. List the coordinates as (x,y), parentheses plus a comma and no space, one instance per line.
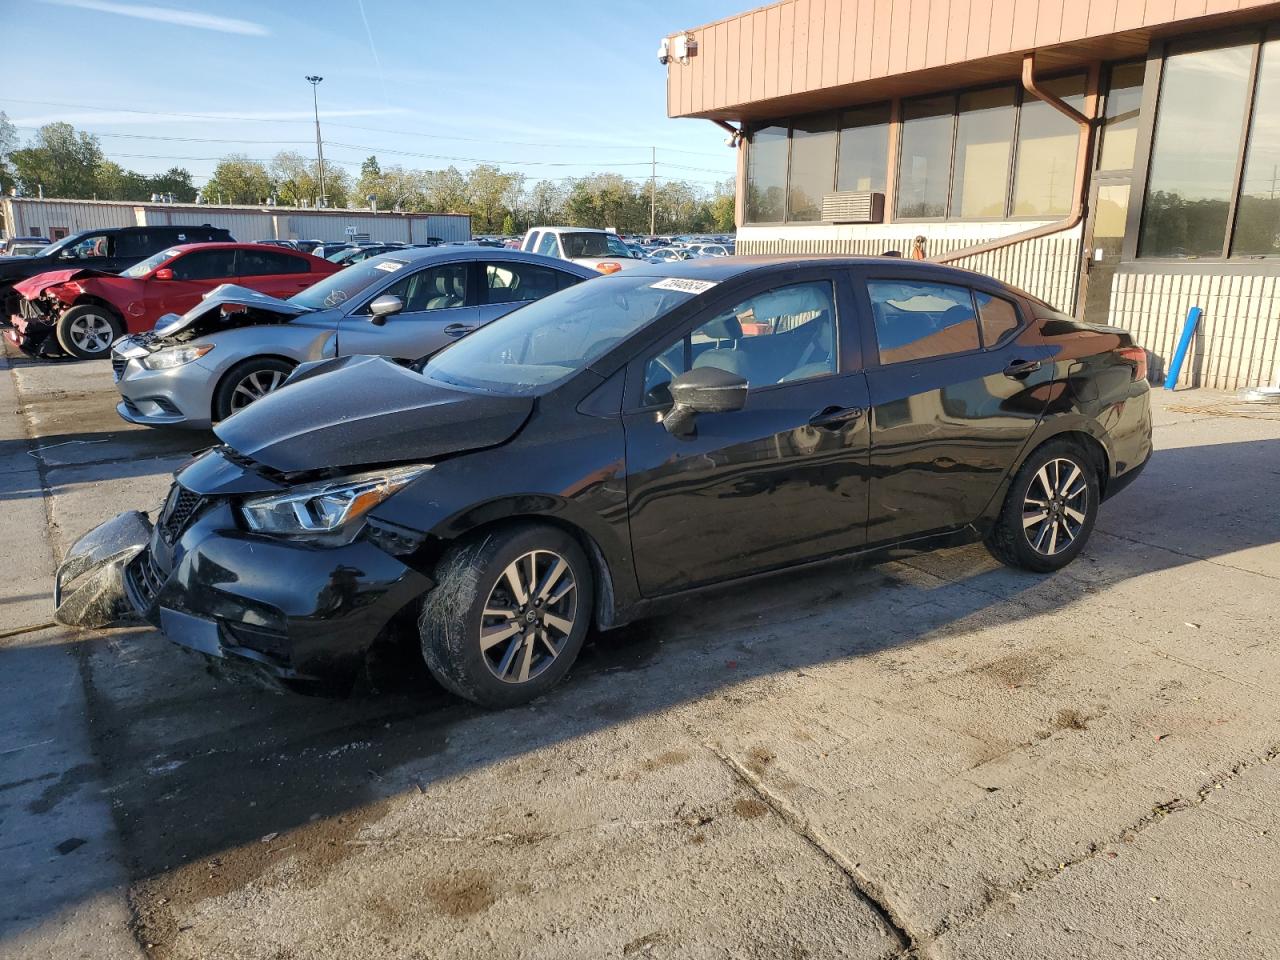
(323,508)
(172,357)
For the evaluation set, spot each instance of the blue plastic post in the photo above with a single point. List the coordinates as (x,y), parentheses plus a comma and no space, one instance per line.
(1184,343)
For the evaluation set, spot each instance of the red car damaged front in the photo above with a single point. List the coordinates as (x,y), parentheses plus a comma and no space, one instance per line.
(45,298)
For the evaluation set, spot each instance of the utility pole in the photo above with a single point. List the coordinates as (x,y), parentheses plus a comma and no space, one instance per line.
(653,186)
(315,102)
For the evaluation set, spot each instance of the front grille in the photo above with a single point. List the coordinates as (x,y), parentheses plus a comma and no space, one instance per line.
(143,580)
(181,506)
(118,363)
(31,311)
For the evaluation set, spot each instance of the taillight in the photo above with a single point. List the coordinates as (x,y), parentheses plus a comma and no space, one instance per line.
(608,267)
(1136,356)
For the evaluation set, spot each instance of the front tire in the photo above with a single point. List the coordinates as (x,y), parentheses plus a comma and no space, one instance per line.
(1050,509)
(87,331)
(508,615)
(248,382)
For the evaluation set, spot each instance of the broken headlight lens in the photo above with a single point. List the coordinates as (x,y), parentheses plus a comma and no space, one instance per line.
(325,508)
(172,357)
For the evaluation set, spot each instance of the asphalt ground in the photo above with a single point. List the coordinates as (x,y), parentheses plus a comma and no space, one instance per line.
(935,757)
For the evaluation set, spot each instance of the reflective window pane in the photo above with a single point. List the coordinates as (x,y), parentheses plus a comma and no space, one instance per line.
(1193,157)
(998,317)
(917,321)
(864,149)
(813,166)
(766,175)
(984,138)
(1120,119)
(1048,143)
(924,171)
(1258,216)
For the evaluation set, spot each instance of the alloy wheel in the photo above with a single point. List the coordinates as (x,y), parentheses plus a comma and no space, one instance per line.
(254,387)
(528,616)
(1055,506)
(90,333)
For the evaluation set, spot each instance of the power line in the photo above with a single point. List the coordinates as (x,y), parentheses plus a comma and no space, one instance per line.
(348,126)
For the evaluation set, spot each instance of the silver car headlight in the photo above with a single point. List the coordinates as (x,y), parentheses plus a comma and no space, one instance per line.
(326,508)
(172,357)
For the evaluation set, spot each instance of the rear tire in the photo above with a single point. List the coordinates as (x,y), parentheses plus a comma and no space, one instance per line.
(248,382)
(87,331)
(508,615)
(1049,511)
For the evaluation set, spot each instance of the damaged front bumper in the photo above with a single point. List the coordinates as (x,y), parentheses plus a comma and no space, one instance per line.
(88,589)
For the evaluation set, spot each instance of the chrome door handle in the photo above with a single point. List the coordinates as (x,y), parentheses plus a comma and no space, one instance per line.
(833,418)
(458,329)
(1020,368)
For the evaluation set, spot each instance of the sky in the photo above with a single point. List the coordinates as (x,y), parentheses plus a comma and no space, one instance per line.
(549,88)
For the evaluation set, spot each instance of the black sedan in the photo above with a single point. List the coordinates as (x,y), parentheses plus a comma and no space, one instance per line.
(620,443)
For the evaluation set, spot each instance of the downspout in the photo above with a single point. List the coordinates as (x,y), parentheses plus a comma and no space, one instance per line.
(1083,155)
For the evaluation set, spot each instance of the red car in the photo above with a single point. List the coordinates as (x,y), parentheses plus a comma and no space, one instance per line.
(82,312)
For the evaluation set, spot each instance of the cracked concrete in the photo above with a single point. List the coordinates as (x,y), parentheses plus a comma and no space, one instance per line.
(935,758)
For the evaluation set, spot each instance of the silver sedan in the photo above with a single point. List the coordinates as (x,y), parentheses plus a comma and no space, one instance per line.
(239,345)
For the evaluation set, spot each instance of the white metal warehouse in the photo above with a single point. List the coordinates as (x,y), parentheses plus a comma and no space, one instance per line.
(52,218)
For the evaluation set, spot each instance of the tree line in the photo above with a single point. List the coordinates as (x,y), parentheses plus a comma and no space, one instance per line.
(63,162)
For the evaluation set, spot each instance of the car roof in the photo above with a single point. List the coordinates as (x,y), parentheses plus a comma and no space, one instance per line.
(418,255)
(570,230)
(226,245)
(727,268)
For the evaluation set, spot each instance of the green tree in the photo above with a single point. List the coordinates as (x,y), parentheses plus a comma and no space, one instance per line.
(295,179)
(445,191)
(8,143)
(176,181)
(509,224)
(490,193)
(114,182)
(237,179)
(60,161)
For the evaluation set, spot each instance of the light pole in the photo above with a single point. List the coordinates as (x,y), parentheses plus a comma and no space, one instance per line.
(315,102)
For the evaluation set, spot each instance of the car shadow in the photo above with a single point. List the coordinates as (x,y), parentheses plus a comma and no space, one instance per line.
(200,768)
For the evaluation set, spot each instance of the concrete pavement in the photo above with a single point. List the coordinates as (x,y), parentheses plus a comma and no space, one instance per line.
(938,757)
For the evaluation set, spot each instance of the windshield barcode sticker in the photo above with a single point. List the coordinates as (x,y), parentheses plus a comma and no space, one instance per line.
(391,266)
(683,285)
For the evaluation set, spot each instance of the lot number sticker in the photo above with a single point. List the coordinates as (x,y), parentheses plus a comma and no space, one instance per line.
(684,286)
(391,266)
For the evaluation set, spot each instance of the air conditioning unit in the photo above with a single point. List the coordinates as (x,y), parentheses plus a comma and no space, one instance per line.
(850,206)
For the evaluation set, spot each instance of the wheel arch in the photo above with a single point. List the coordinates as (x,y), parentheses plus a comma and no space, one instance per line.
(92,300)
(226,374)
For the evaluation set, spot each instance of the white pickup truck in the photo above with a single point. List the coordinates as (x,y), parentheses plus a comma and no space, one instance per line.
(597,249)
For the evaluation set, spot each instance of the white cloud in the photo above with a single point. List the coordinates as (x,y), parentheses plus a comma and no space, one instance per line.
(181,18)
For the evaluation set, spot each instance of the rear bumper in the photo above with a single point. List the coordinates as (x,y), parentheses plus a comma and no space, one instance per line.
(1128,438)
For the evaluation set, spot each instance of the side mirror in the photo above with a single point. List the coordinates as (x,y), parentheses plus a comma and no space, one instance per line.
(383,307)
(164,273)
(703,390)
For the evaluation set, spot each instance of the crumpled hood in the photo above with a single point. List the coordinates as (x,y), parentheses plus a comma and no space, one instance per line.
(228,294)
(32,287)
(356,411)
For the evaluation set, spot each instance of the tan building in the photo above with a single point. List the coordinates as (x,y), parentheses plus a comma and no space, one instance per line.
(1118,158)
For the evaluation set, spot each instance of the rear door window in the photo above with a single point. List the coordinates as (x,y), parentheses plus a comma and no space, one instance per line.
(921,320)
(261,263)
(999,318)
(205,265)
(513,282)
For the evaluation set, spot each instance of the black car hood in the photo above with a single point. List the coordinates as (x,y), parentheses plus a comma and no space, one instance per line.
(356,411)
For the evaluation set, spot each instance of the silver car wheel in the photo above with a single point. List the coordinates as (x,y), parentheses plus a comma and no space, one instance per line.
(1055,506)
(254,387)
(528,616)
(90,332)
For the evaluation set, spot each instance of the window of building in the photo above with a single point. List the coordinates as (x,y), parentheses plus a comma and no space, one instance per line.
(1195,151)
(1257,231)
(783,335)
(920,321)
(864,149)
(767,175)
(997,316)
(1120,119)
(1048,145)
(924,170)
(813,167)
(984,135)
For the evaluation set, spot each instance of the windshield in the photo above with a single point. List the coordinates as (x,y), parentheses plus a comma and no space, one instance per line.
(143,267)
(532,349)
(62,244)
(592,244)
(337,288)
